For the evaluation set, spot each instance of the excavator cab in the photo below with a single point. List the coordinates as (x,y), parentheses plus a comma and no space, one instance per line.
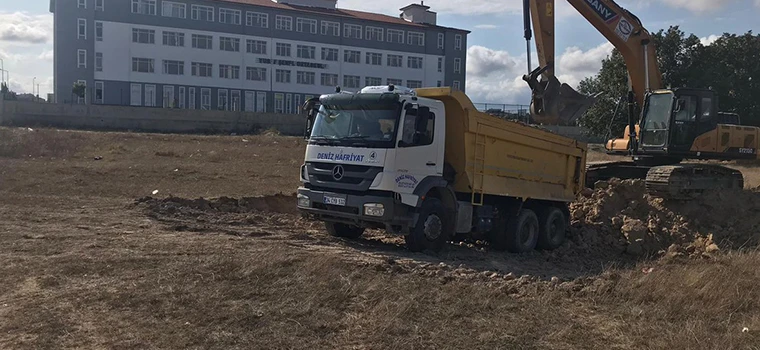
(673,119)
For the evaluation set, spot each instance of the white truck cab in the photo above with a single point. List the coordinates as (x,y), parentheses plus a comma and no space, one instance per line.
(370,156)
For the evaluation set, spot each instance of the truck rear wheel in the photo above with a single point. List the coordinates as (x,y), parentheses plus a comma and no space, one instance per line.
(522,232)
(431,230)
(343,230)
(552,229)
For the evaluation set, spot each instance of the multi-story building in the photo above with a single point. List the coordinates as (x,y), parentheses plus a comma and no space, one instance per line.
(253,55)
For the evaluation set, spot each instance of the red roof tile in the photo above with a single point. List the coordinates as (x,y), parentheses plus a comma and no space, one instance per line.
(359,15)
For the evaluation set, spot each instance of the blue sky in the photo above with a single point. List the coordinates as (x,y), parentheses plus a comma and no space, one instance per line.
(496,52)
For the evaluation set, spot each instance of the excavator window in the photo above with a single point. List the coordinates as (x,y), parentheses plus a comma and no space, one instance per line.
(657,119)
(687,109)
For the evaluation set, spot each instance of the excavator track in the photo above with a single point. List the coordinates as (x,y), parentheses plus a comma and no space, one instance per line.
(686,181)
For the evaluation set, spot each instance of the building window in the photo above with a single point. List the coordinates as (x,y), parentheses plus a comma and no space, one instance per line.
(144,7)
(395,60)
(256,73)
(202,13)
(329,79)
(440,40)
(458,41)
(135,94)
(282,76)
(99,5)
(82,4)
(230,16)
(283,22)
(191,98)
(330,28)
(202,41)
(83,99)
(395,36)
(279,103)
(307,52)
(305,25)
(142,65)
(150,95)
(222,103)
(439,83)
(352,56)
(174,39)
(282,49)
(414,62)
(440,64)
(261,101)
(305,78)
(457,65)
(174,67)
(257,19)
(205,98)
(288,103)
(98,31)
(372,81)
(143,36)
(351,81)
(82,28)
(235,100)
(415,38)
(81,58)
(391,81)
(173,9)
(374,33)
(227,71)
(258,47)
(98,61)
(168,98)
(414,84)
(456,85)
(329,54)
(229,44)
(352,31)
(199,69)
(375,59)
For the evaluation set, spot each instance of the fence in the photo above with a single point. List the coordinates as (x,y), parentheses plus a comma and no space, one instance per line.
(507,111)
(106,117)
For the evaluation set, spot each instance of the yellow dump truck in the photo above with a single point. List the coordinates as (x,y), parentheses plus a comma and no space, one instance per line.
(426,164)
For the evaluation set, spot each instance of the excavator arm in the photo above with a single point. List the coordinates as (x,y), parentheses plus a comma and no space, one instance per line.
(553,102)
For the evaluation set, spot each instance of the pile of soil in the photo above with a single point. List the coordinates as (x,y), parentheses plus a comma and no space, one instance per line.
(620,215)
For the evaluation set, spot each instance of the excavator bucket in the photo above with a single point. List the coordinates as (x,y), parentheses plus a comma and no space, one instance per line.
(555,103)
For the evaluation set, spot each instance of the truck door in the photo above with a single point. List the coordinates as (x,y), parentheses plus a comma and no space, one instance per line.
(418,154)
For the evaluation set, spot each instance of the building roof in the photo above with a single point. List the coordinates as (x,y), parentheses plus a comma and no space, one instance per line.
(359,15)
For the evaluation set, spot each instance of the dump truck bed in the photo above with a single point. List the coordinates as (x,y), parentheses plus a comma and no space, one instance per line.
(493,156)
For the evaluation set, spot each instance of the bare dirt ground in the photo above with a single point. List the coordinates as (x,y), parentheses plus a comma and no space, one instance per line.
(217,258)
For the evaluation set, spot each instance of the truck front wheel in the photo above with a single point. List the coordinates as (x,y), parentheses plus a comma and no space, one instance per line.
(343,230)
(431,230)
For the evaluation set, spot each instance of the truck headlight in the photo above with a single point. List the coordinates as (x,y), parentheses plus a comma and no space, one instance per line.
(304,174)
(374,209)
(304,201)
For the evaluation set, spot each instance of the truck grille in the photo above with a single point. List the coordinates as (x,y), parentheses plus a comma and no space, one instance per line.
(347,177)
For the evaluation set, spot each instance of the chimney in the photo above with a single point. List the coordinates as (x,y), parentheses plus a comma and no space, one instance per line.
(418,13)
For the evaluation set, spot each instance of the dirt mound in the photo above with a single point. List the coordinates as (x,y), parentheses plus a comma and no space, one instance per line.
(619,214)
(280,203)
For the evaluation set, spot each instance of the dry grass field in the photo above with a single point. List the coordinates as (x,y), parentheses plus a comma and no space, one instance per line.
(92,258)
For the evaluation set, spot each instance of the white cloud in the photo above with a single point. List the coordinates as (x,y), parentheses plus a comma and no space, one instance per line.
(21,27)
(709,39)
(458,7)
(757,3)
(695,6)
(491,26)
(495,76)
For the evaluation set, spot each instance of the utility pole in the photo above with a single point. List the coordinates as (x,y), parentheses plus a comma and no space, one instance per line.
(2,71)
(33,84)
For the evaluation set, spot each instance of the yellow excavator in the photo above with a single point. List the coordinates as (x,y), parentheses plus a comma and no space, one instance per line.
(674,125)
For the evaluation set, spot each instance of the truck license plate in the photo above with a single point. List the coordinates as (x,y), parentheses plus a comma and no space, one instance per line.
(334,200)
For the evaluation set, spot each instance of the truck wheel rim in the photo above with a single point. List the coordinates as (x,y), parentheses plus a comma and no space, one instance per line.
(432,227)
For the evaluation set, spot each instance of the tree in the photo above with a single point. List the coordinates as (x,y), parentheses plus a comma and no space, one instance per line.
(6,92)
(678,55)
(78,89)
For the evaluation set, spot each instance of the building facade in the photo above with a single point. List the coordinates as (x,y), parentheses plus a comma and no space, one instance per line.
(252,55)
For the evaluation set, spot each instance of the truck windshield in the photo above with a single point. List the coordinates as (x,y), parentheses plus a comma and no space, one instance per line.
(657,119)
(356,125)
